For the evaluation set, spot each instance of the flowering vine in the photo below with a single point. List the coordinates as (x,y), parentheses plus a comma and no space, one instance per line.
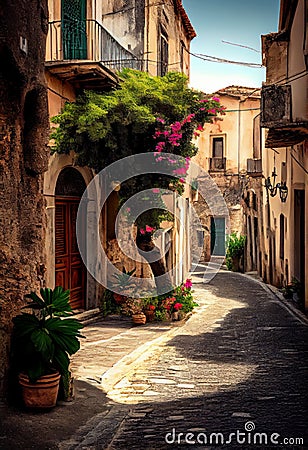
(169,136)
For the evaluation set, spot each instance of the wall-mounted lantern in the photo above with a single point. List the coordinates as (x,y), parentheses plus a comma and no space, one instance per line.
(272,188)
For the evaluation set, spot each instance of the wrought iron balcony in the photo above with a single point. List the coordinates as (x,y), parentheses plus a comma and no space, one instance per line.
(84,52)
(217,164)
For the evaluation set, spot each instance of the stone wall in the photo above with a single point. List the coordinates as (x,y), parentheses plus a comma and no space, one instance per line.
(230,187)
(24,129)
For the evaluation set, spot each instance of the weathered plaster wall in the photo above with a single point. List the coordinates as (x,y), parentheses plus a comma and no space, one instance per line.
(279,270)
(127,25)
(138,26)
(163,17)
(24,129)
(236,128)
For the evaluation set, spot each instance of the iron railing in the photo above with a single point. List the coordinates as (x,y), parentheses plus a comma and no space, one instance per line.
(87,40)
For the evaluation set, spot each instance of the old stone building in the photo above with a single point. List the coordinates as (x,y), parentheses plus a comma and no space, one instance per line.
(228,150)
(41,192)
(24,129)
(88,42)
(285,158)
(158,33)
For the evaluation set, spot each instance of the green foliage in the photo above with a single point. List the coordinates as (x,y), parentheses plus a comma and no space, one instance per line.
(179,299)
(122,280)
(104,127)
(160,315)
(235,249)
(108,305)
(295,287)
(44,340)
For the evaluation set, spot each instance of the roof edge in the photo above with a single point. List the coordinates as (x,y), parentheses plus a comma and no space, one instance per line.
(185,19)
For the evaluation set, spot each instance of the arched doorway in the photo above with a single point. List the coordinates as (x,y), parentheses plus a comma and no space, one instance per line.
(69,269)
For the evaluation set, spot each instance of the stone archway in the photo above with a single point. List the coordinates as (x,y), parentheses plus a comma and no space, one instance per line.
(69,268)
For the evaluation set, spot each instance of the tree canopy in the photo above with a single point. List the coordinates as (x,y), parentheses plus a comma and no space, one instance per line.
(144,114)
(104,127)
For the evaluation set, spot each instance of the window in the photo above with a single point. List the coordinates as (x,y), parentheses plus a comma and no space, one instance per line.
(163,54)
(218,147)
(217,162)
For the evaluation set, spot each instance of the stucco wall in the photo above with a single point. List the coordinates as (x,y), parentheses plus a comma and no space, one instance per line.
(236,127)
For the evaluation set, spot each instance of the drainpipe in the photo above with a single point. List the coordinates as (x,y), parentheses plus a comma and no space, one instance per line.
(147,34)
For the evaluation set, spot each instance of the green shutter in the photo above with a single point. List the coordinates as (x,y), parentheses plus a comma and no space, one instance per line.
(74,35)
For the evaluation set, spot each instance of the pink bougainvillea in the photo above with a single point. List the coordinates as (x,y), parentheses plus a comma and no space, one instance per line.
(188,283)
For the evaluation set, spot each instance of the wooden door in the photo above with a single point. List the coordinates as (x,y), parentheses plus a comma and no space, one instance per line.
(70,271)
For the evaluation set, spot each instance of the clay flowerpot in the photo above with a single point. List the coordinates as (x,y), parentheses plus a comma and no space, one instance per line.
(175,315)
(139,319)
(119,298)
(43,393)
(150,315)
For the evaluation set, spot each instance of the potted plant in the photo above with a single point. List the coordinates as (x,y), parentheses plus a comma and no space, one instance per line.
(122,283)
(42,342)
(149,308)
(235,252)
(134,308)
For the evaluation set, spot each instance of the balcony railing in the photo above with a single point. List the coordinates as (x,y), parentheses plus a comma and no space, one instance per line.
(217,163)
(87,40)
(254,166)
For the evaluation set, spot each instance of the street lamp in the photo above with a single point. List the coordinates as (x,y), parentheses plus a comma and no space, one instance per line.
(272,188)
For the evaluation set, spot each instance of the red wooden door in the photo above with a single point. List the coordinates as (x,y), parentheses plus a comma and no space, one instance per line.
(69,268)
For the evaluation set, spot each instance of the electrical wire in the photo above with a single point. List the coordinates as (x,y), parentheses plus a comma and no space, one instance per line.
(240,45)
(224,61)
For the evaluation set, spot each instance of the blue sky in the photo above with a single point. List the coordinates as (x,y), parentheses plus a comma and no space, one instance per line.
(237,21)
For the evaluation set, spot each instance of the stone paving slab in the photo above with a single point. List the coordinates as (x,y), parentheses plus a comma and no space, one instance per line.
(239,362)
(241,357)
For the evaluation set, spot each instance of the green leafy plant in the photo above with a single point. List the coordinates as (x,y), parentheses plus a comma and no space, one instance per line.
(179,299)
(44,340)
(158,115)
(107,304)
(144,114)
(235,249)
(194,184)
(122,280)
(295,287)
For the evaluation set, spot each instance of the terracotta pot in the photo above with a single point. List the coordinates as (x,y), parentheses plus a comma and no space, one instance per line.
(175,315)
(150,315)
(139,319)
(41,394)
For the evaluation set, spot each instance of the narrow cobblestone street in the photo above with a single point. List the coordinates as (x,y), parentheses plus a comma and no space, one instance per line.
(239,364)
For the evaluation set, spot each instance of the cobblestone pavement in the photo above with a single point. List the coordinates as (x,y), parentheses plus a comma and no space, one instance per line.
(238,365)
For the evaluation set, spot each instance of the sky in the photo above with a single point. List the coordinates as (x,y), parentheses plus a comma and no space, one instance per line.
(236,21)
